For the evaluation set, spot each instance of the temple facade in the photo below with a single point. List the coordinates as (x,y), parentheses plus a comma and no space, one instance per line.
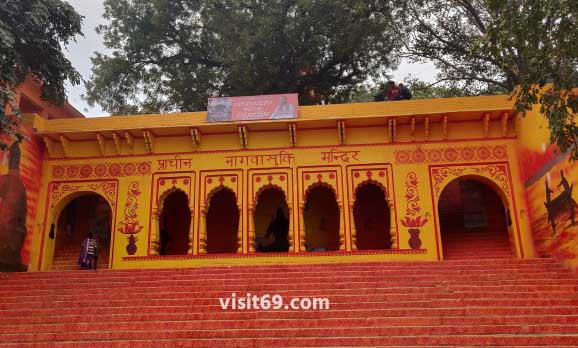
(418,180)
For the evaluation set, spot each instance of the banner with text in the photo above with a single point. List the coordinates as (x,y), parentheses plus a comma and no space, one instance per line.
(261,107)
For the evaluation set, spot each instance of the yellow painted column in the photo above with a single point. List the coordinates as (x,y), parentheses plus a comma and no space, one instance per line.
(342,245)
(352,230)
(251,232)
(155,235)
(203,231)
(291,235)
(392,226)
(240,234)
(192,234)
(302,227)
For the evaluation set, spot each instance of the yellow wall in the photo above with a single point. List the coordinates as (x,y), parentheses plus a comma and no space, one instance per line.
(425,154)
(198,172)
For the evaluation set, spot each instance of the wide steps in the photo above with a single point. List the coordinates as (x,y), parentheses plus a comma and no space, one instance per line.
(493,302)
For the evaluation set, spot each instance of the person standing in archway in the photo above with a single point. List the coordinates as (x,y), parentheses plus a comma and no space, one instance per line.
(279,228)
(86,259)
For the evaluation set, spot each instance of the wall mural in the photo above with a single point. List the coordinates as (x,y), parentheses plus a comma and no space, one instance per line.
(20,171)
(13,210)
(131,226)
(549,180)
(413,219)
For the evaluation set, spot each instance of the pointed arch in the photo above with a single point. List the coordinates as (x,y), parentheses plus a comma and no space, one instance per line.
(222,221)
(269,187)
(175,223)
(271,220)
(322,218)
(372,217)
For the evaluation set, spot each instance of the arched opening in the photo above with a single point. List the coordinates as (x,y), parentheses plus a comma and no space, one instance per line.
(222,222)
(175,224)
(372,218)
(271,220)
(321,216)
(474,221)
(88,213)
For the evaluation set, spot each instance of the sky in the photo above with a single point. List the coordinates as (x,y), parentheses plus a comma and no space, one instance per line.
(79,53)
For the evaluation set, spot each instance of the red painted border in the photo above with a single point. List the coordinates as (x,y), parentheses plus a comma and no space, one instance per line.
(289,195)
(388,167)
(46,205)
(239,173)
(182,175)
(270,255)
(512,196)
(302,198)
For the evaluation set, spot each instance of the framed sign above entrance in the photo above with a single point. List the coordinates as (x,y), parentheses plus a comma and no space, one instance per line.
(253,108)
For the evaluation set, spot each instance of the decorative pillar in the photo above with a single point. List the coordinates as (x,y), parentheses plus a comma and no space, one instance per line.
(353,229)
(342,245)
(392,226)
(203,231)
(251,246)
(192,234)
(155,235)
(240,232)
(291,235)
(302,228)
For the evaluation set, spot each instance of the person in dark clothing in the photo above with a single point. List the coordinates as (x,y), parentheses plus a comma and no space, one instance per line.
(279,228)
(381,96)
(404,93)
(392,91)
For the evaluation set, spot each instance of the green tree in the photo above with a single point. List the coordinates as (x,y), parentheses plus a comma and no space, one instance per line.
(173,55)
(524,47)
(31,35)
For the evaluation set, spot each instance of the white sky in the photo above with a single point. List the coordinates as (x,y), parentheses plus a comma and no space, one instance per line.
(80,52)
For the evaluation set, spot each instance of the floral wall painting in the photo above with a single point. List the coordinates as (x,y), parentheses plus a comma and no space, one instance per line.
(130,226)
(413,219)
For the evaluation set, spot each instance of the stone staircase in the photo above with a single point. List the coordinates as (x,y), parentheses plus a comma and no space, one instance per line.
(67,260)
(459,303)
(461,245)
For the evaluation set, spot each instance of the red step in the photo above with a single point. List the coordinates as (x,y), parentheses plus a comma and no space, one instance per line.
(458,303)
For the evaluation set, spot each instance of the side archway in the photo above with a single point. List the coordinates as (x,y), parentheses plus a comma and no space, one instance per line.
(222,222)
(76,216)
(271,220)
(60,194)
(321,216)
(474,219)
(372,217)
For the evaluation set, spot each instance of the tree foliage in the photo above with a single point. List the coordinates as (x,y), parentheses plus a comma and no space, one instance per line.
(524,47)
(31,34)
(173,55)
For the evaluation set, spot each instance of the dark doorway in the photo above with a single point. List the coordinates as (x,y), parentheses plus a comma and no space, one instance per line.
(372,218)
(84,214)
(271,220)
(175,225)
(321,215)
(222,222)
(473,221)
